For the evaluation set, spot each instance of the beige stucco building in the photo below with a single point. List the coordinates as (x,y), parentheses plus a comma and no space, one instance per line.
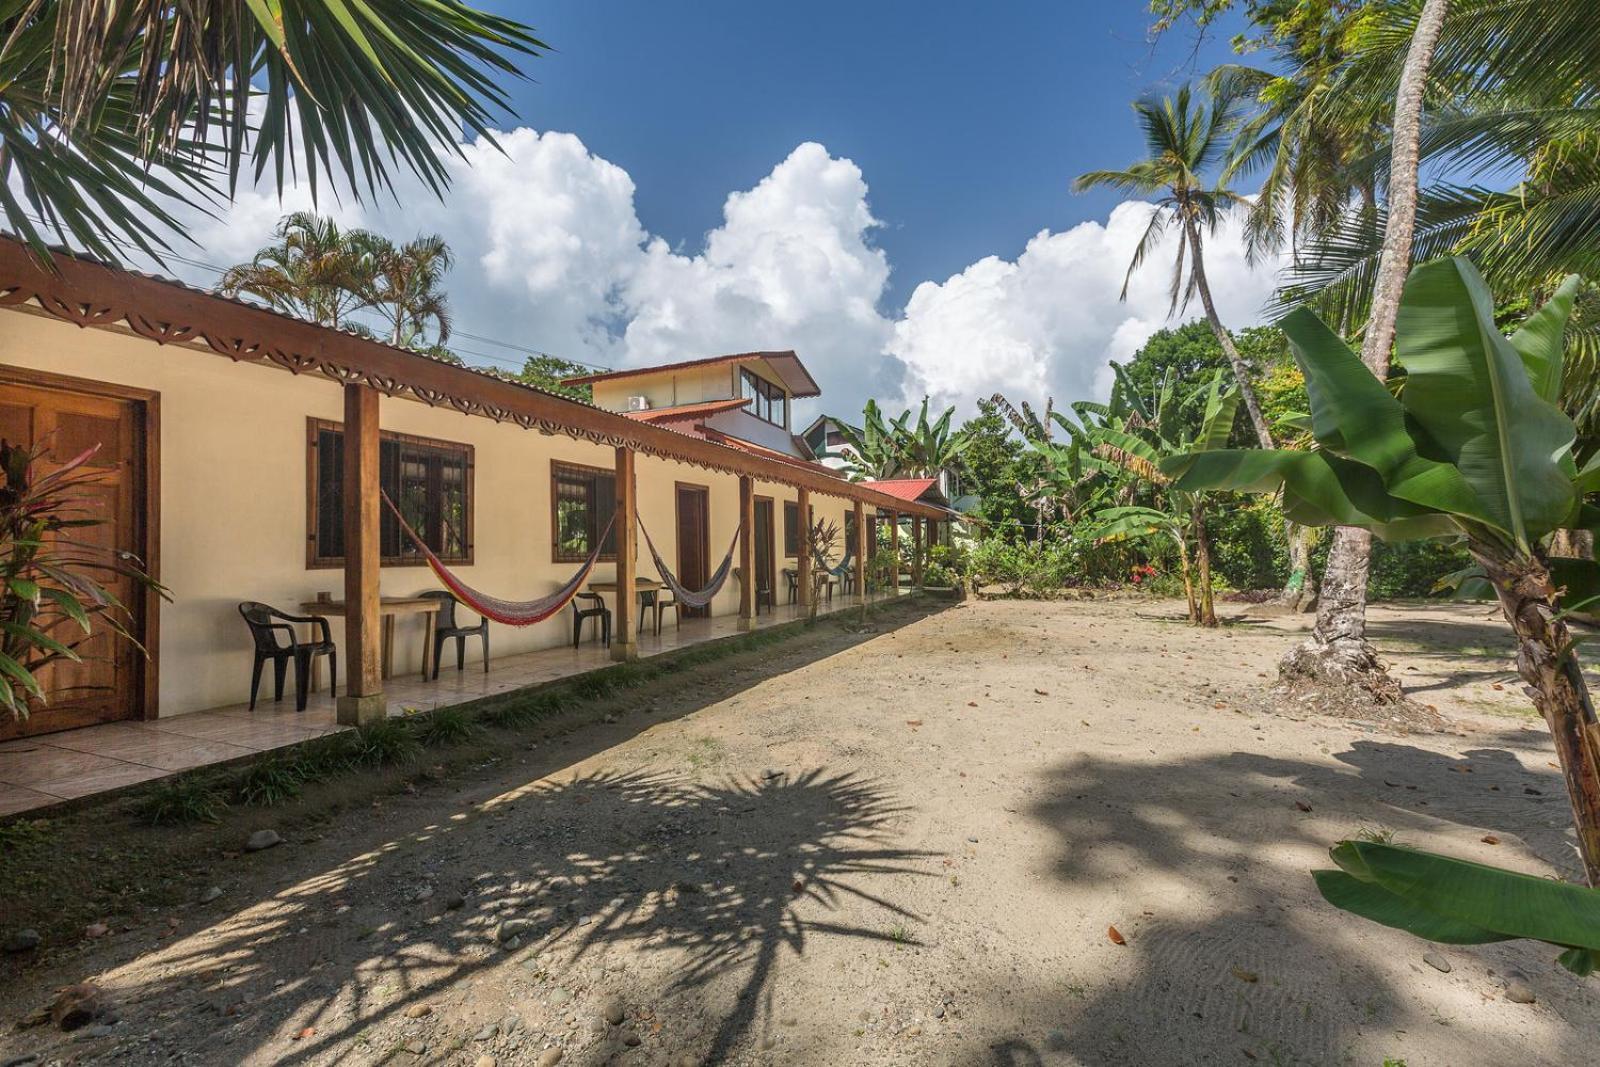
(229,426)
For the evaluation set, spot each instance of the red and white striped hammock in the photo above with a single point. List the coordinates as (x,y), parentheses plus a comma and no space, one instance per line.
(505,612)
(692,598)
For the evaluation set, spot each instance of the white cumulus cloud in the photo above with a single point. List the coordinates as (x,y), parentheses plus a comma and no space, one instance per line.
(1047,323)
(551,254)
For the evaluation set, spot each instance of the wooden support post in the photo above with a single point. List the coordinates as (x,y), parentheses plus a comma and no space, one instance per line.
(802,563)
(894,553)
(916,551)
(362,699)
(624,638)
(861,552)
(747,552)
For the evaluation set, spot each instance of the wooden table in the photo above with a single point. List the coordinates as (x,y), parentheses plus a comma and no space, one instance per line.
(388,608)
(644,588)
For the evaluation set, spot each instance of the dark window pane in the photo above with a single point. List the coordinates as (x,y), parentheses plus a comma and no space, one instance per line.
(427,482)
(791,529)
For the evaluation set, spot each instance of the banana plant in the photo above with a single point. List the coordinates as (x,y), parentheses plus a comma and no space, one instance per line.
(1457,902)
(1473,445)
(1180,513)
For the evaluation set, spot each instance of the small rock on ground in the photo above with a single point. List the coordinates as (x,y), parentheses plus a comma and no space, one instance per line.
(548,1058)
(613,1011)
(1519,992)
(262,839)
(486,1061)
(25,940)
(418,1011)
(1437,961)
(211,894)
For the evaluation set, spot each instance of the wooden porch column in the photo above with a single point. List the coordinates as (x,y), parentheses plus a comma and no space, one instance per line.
(916,551)
(625,638)
(362,698)
(802,563)
(861,552)
(894,552)
(747,552)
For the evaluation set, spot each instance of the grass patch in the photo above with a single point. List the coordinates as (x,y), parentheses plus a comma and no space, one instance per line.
(183,798)
(445,726)
(269,782)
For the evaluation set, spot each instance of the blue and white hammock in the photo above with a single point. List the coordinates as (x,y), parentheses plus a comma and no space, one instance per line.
(692,598)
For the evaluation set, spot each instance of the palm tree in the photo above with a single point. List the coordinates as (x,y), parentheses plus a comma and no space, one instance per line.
(111,111)
(1337,650)
(405,287)
(1186,137)
(315,270)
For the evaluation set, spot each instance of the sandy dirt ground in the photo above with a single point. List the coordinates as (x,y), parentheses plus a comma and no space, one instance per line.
(906,849)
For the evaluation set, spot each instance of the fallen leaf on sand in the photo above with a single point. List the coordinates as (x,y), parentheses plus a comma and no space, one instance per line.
(1244,975)
(972,703)
(1116,936)
(1497,685)
(309,1031)
(1042,692)
(913,722)
(1302,805)
(1490,839)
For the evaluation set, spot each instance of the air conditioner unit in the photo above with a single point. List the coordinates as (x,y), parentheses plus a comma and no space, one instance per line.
(638,403)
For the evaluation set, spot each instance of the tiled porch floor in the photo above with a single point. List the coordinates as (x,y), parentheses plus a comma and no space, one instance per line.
(36,772)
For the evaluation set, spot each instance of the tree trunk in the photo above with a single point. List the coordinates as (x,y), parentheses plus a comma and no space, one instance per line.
(1188,581)
(1202,551)
(1301,587)
(1241,374)
(1546,662)
(1337,651)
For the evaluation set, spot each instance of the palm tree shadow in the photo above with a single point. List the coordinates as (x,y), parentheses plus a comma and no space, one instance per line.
(716,878)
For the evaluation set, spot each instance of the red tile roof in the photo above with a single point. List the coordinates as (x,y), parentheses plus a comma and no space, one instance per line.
(903,488)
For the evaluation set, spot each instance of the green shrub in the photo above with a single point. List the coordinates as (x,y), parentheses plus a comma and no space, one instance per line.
(183,798)
(1249,549)
(444,726)
(1409,568)
(387,741)
(269,782)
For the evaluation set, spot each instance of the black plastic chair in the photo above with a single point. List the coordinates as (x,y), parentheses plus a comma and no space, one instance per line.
(444,628)
(266,623)
(599,612)
(792,576)
(666,600)
(763,590)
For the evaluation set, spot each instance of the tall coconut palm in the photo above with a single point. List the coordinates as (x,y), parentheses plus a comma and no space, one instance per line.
(314,270)
(1337,650)
(1187,137)
(111,111)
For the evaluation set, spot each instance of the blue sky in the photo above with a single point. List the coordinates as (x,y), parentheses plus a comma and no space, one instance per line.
(882,187)
(968,120)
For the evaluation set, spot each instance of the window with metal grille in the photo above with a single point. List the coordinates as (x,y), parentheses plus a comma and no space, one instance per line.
(582,501)
(429,481)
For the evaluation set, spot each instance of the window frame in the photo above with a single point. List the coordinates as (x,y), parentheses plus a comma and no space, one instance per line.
(557,466)
(791,529)
(315,427)
(765,395)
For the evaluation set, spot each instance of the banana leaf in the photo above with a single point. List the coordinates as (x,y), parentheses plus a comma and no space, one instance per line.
(1355,416)
(1468,388)
(1454,901)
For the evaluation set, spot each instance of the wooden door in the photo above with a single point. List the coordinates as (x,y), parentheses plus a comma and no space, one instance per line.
(109,682)
(694,542)
(765,556)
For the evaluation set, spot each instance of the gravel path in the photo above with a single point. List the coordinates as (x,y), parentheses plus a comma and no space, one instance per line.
(903,850)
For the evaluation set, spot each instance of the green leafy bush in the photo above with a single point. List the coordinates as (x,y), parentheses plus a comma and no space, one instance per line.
(1410,568)
(183,798)
(269,782)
